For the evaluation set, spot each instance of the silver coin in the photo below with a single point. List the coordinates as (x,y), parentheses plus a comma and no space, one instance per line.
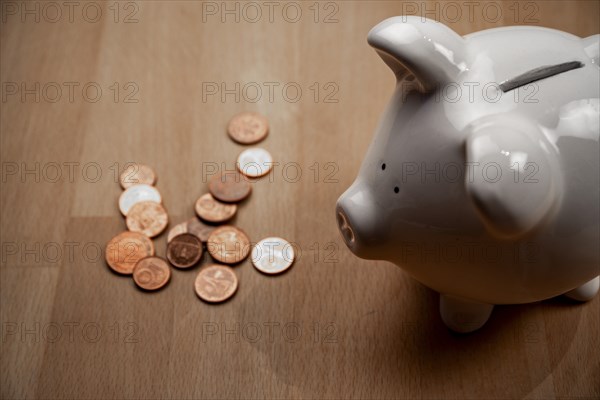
(273,255)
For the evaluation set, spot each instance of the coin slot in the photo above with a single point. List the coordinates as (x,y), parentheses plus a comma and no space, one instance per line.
(538,74)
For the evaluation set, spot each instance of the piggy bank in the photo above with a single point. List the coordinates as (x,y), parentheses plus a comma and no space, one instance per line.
(482,179)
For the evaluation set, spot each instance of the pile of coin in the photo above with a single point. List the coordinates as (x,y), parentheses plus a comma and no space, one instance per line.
(133,253)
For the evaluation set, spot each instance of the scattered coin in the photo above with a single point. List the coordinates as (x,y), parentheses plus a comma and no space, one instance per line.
(177,230)
(135,174)
(228,244)
(272,255)
(147,217)
(138,193)
(184,251)
(216,283)
(248,128)
(193,226)
(212,210)
(126,249)
(230,187)
(199,229)
(132,252)
(151,273)
(254,162)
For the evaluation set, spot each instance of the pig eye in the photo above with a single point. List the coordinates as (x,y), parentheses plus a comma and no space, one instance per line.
(383,167)
(396,189)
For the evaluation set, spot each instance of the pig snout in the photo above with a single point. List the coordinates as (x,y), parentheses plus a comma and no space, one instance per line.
(357,220)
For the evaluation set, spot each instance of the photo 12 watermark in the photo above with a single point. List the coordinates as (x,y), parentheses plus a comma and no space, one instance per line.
(270,332)
(270,92)
(57,172)
(252,12)
(278,171)
(27,254)
(69,92)
(90,332)
(53,12)
(516,12)
(467,92)
(518,170)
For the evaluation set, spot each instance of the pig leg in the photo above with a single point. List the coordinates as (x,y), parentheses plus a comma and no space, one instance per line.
(585,292)
(462,315)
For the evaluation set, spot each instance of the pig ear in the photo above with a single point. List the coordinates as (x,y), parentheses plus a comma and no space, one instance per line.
(512,174)
(427,49)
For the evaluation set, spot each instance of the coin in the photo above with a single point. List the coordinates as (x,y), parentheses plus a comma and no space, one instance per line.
(135,174)
(199,229)
(177,230)
(151,273)
(193,226)
(137,193)
(228,244)
(216,283)
(212,210)
(147,217)
(229,187)
(254,162)
(248,128)
(184,251)
(272,255)
(126,249)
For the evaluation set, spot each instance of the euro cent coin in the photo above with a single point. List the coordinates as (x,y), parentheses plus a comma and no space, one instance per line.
(126,249)
(230,187)
(216,283)
(147,217)
(184,251)
(212,210)
(254,162)
(193,226)
(248,128)
(151,273)
(135,174)
(177,230)
(228,244)
(272,255)
(199,229)
(136,194)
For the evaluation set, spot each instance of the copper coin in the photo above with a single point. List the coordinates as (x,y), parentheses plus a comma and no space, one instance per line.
(193,226)
(184,251)
(137,173)
(147,217)
(126,249)
(151,273)
(177,230)
(212,210)
(228,244)
(199,229)
(216,283)
(229,187)
(248,128)
(272,255)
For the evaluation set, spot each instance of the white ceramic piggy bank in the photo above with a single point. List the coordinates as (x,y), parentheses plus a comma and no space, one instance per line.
(482,178)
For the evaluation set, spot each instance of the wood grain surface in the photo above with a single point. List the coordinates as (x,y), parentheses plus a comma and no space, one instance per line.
(156,82)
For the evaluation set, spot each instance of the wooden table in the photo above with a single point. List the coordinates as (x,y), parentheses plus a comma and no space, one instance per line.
(156,82)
